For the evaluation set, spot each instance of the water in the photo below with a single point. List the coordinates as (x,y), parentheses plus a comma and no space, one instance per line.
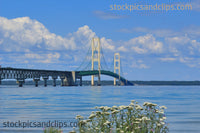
(64,103)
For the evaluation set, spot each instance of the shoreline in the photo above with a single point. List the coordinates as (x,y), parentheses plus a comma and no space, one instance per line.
(110,83)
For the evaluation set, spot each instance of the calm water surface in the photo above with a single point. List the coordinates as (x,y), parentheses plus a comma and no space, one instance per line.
(64,103)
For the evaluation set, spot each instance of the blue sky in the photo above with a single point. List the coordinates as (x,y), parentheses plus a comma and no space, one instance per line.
(56,34)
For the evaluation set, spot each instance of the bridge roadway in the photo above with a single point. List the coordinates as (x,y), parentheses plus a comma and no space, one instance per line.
(68,78)
(104,72)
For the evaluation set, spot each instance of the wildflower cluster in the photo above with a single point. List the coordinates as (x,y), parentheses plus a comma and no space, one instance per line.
(133,118)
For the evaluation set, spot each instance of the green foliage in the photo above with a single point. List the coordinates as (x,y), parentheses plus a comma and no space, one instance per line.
(133,118)
(52,130)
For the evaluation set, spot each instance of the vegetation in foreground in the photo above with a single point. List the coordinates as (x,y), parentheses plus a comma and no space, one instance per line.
(52,130)
(133,118)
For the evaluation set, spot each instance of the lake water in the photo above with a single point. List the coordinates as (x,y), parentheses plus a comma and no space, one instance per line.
(64,103)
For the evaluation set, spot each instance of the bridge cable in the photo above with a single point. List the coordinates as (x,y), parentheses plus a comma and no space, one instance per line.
(121,68)
(104,59)
(85,59)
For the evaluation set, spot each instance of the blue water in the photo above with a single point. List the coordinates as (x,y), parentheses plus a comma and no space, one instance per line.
(64,103)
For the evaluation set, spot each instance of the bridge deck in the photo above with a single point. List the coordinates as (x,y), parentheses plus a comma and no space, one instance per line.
(23,69)
(104,72)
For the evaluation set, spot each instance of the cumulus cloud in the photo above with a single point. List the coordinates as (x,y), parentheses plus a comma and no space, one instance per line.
(34,43)
(107,43)
(84,35)
(145,44)
(185,49)
(178,45)
(183,45)
(83,38)
(21,33)
(178,40)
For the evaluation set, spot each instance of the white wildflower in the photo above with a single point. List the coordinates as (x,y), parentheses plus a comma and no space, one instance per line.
(79,117)
(163,107)
(92,116)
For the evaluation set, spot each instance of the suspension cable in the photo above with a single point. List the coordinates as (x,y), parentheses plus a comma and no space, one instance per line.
(104,58)
(84,59)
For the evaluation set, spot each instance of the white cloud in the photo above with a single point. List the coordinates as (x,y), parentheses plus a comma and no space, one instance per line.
(193,31)
(156,32)
(40,58)
(139,50)
(122,48)
(195,5)
(20,33)
(107,43)
(190,61)
(1,41)
(29,38)
(33,56)
(180,46)
(139,64)
(183,45)
(167,59)
(83,38)
(144,44)
(105,15)
(84,35)
(181,40)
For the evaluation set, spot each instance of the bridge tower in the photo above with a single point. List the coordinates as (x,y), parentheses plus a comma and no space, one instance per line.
(116,65)
(96,56)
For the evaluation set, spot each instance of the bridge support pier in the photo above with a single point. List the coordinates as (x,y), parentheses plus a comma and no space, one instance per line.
(81,81)
(20,82)
(62,78)
(45,78)
(70,79)
(36,80)
(54,80)
(45,82)
(66,81)
(114,82)
(92,80)
(62,81)
(99,81)
(122,83)
(73,78)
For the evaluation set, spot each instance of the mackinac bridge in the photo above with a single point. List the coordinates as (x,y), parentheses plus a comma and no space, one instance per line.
(91,66)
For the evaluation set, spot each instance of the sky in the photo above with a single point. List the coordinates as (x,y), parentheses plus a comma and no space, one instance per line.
(153,44)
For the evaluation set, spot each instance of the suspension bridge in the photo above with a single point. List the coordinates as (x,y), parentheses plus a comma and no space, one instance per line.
(92,66)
